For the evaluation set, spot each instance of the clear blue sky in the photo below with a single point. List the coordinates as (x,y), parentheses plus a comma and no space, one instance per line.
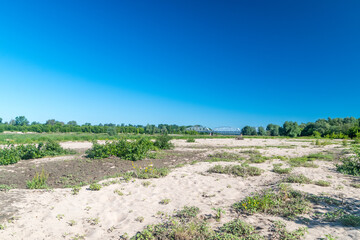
(182,61)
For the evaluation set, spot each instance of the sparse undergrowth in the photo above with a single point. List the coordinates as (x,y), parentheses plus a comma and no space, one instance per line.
(186,225)
(243,170)
(351,165)
(282,202)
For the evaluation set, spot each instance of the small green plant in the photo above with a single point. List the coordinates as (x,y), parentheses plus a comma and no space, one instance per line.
(218,213)
(350,220)
(329,237)
(165,201)
(277,169)
(75,190)
(190,140)
(300,178)
(146,183)
(355,185)
(72,223)
(60,216)
(322,183)
(93,221)
(163,142)
(280,232)
(188,212)
(2,227)
(95,187)
(39,181)
(118,192)
(139,219)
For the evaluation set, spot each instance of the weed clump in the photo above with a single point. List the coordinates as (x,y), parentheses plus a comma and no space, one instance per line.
(284,202)
(277,169)
(95,187)
(39,181)
(243,170)
(351,165)
(300,178)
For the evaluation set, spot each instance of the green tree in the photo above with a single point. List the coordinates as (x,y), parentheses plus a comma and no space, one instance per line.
(21,121)
(72,123)
(261,131)
(291,129)
(273,130)
(249,131)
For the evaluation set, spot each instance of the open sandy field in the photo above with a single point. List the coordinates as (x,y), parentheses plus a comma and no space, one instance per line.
(122,208)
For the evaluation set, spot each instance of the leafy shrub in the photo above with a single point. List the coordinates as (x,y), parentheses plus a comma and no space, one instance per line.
(39,181)
(237,170)
(350,165)
(190,140)
(12,154)
(127,150)
(163,142)
(224,157)
(188,212)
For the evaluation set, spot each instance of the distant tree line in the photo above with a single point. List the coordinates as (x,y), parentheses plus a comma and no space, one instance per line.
(331,128)
(21,124)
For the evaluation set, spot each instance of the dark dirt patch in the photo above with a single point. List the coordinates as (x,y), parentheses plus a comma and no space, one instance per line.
(81,170)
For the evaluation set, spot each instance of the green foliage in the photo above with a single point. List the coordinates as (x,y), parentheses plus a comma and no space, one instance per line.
(149,172)
(291,129)
(277,168)
(283,202)
(273,130)
(237,170)
(12,154)
(302,162)
(248,131)
(224,157)
(322,183)
(261,131)
(350,220)
(124,149)
(190,140)
(187,213)
(163,142)
(39,181)
(111,131)
(351,165)
(280,232)
(300,178)
(95,187)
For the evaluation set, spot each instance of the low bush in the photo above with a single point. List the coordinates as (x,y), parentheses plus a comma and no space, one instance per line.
(243,170)
(163,142)
(224,157)
(127,150)
(351,165)
(190,140)
(12,154)
(149,172)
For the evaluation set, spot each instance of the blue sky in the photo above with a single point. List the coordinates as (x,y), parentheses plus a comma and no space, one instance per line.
(207,62)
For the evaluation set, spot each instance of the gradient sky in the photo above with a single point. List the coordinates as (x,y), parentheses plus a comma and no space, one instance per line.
(215,63)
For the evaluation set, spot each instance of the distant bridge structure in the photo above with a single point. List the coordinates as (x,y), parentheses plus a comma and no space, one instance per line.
(227,131)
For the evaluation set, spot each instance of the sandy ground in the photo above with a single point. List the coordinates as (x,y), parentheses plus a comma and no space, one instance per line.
(104,214)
